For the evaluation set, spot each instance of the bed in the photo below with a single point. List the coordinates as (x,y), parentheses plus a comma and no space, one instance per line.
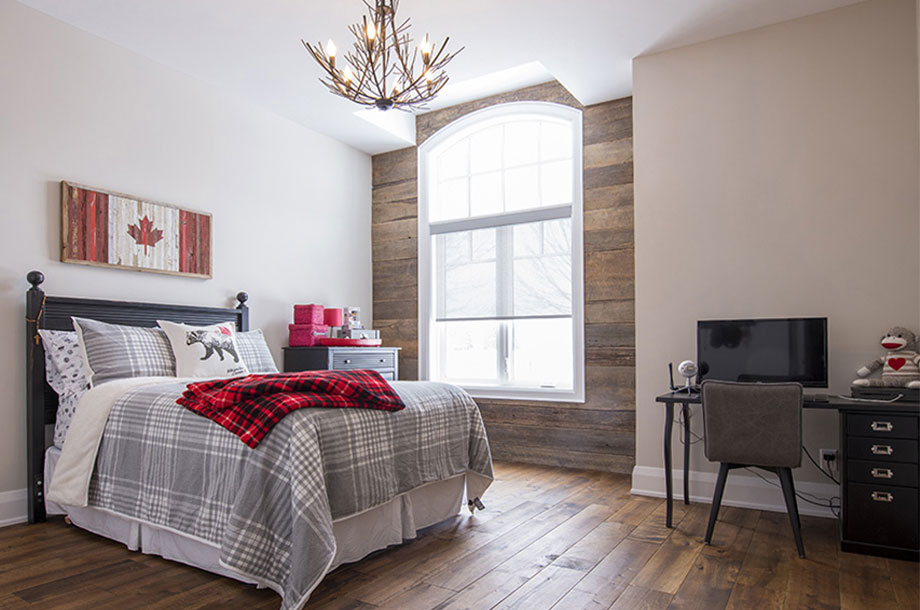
(326,487)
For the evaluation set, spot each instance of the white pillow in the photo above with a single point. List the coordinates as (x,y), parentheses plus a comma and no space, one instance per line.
(64,372)
(63,353)
(205,351)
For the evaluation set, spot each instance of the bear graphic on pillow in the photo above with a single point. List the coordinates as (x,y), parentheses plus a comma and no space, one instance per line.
(214,342)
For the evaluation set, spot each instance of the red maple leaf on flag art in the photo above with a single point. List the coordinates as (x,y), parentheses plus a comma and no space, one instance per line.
(144,233)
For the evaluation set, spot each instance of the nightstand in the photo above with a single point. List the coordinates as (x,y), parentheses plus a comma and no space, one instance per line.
(384,360)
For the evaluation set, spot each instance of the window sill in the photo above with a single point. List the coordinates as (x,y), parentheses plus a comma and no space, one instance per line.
(535,395)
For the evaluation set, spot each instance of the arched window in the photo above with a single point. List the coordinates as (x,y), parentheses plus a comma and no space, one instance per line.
(500,253)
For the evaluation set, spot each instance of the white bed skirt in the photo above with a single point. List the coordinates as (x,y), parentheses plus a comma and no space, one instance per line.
(355,537)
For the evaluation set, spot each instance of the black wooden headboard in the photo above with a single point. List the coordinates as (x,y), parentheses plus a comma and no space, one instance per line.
(54,313)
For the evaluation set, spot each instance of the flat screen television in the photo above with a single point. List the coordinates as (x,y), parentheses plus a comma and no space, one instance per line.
(766,350)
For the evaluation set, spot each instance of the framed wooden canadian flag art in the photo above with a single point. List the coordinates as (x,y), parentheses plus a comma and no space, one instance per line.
(124,232)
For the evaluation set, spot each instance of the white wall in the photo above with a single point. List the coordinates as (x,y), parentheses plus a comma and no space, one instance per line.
(291,208)
(776,175)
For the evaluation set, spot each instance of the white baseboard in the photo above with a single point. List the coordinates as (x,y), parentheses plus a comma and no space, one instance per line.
(13,507)
(743,490)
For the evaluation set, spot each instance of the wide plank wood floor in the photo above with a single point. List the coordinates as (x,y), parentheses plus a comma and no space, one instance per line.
(550,538)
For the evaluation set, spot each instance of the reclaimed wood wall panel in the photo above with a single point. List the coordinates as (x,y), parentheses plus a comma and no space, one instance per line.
(394,245)
(599,433)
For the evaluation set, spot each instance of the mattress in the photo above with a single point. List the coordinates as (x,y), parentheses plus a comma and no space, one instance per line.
(355,536)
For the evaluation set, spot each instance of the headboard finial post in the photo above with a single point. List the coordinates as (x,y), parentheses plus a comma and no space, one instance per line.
(35,278)
(242,297)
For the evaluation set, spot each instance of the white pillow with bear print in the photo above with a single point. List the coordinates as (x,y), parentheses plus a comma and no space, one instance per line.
(208,352)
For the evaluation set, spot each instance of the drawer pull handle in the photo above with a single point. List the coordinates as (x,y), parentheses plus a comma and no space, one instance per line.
(882,426)
(347,361)
(882,449)
(882,473)
(382,360)
(882,496)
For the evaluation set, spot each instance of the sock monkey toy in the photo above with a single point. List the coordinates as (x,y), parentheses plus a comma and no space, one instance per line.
(900,366)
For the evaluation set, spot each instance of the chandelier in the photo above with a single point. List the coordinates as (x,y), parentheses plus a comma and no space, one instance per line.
(380,68)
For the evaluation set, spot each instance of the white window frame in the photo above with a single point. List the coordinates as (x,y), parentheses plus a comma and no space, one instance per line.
(446,136)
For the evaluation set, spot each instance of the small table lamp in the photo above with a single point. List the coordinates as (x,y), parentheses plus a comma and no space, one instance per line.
(332,317)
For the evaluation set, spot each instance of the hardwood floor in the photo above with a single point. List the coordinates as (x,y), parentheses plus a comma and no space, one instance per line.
(550,538)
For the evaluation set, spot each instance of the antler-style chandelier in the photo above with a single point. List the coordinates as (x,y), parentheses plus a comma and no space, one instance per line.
(380,68)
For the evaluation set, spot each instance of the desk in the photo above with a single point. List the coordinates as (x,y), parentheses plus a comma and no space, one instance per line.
(853,414)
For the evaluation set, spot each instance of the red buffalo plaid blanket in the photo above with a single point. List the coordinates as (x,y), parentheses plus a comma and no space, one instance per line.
(250,406)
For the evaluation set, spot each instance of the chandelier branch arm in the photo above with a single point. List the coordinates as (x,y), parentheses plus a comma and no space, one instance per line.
(362,59)
(334,81)
(325,63)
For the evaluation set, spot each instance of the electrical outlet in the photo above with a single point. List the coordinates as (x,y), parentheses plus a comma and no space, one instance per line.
(828,455)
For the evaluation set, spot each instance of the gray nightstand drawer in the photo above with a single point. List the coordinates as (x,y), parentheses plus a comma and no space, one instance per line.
(344,361)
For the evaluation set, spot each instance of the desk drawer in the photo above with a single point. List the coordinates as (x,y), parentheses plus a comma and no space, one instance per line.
(346,361)
(882,473)
(876,449)
(882,426)
(882,514)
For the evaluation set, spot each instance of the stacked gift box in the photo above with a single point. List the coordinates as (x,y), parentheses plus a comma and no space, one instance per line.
(309,325)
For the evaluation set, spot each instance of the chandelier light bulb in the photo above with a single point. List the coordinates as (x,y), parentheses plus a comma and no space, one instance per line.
(348,75)
(371,31)
(330,52)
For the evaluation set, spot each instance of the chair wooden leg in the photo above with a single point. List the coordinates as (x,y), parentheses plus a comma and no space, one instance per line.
(785,479)
(716,500)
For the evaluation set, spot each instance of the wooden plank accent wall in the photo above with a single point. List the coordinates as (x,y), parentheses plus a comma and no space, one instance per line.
(599,434)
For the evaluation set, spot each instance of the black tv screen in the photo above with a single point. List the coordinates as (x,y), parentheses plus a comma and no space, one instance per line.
(766,350)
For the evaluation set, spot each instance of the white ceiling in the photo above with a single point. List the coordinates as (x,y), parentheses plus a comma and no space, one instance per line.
(252,49)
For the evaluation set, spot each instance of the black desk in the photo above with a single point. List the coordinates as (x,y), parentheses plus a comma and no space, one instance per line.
(686,399)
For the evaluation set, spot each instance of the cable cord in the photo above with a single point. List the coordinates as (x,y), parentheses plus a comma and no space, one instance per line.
(679,417)
(817,500)
(818,466)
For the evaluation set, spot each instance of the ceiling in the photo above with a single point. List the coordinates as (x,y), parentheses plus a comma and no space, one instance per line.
(252,49)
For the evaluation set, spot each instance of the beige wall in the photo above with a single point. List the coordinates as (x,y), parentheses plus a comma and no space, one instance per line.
(776,175)
(291,208)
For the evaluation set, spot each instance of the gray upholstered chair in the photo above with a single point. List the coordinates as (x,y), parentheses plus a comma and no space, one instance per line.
(754,424)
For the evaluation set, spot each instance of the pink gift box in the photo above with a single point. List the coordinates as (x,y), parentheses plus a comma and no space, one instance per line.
(305,335)
(308,314)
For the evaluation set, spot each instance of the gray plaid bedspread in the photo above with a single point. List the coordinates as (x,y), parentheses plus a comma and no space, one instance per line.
(271,509)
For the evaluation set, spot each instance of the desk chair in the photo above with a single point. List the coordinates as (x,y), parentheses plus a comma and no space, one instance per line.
(754,424)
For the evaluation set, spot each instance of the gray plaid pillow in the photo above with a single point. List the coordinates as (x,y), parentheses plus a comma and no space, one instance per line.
(113,351)
(255,353)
